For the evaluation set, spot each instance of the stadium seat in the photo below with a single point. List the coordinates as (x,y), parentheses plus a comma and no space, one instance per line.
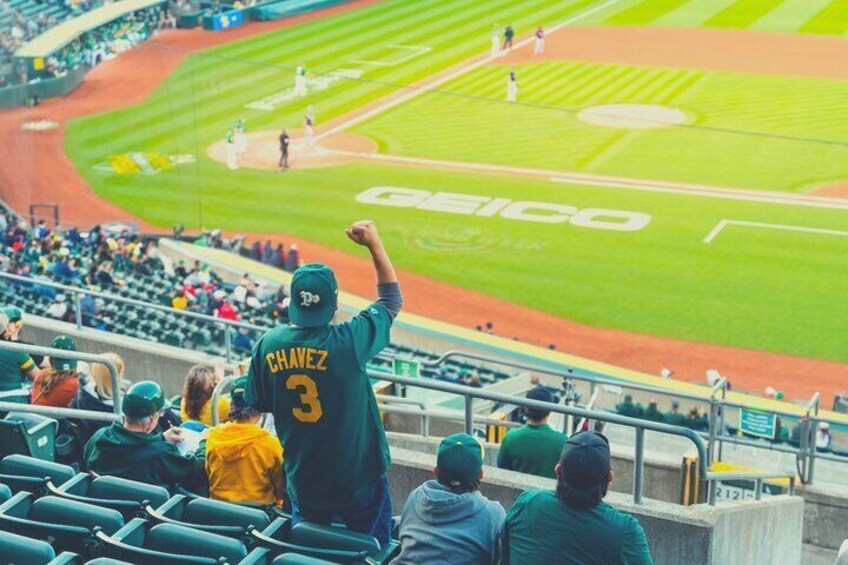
(26,551)
(337,538)
(28,434)
(298,559)
(275,539)
(127,497)
(69,525)
(22,473)
(208,515)
(170,544)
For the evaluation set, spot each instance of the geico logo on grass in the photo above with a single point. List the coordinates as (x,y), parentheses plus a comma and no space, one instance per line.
(469,204)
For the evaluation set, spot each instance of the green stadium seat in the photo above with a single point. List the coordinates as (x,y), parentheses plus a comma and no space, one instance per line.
(208,515)
(170,544)
(28,434)
(298,559)
(275,538)
(22,473)
(5,493)
(342,539)
(127,497)
(27,551)
(68,525)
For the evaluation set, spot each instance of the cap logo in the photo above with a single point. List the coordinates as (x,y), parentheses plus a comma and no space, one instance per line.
(307,298)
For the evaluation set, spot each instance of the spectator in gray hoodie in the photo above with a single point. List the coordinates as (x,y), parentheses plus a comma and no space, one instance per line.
(447,520)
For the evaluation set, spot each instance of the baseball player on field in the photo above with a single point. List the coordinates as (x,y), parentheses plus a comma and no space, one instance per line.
(539,41)
(232,150)
(300,80)
(509,35)
(512,86)
(311,376)
(241,137)
(308,127)
(496,40)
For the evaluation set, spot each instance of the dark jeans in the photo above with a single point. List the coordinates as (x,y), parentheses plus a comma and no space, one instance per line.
(371,515)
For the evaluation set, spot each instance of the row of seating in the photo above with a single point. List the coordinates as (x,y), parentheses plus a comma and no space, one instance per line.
(51,514)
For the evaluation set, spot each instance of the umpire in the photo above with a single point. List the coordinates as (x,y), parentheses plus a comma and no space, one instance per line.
(284,150)
(311,376)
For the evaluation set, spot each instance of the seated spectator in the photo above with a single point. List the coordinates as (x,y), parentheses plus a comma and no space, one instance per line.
(448,520)
(572,525)
(14,365)
(14,328)
(243,461)
(95,393)
(59,309)
(675,418)
(57,385)
(196,405)
(697,420)
(534,448)
(629,409)
(823,439)
(134,450)
(653,413)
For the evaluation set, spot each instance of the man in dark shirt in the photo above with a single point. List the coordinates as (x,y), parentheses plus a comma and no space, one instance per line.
(284,150)
(509,34)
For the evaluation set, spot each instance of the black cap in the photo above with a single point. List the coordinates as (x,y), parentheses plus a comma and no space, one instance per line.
(585,460)
(541,393)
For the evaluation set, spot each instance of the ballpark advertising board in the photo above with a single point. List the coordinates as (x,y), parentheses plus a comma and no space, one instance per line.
(406,368)
(757,423)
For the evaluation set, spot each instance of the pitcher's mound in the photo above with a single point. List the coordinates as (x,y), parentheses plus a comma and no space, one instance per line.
(263,150)
(633,116)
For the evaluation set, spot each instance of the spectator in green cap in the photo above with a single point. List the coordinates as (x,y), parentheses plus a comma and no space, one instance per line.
(14,365)
(57,385)
(448,520)
(133,450)
(311,375)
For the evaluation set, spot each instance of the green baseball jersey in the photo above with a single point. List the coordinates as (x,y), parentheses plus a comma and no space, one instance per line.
(532,449)
(313,381)
(13,364)
(231,138)
(540,530)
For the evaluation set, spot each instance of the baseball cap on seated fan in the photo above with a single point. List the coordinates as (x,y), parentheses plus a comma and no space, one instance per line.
(585,460)
(314,296)
(459,460)
(237,391)
(66,343)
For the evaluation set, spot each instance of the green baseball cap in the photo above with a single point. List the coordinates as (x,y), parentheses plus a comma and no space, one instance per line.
(314,296)
(66,343)
(14,313)
(237,391)
(144,399)
(459,460)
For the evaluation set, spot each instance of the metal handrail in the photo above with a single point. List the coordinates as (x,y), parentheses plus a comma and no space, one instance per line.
(77,292)
(216,395)
(77,355)
(471,393)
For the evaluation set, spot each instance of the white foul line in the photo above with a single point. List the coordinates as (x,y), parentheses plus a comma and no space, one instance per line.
(642,185)
(415,92)
(724,223)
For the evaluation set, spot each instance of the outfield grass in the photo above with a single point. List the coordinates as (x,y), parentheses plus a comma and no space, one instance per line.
(749,131)
(772,290)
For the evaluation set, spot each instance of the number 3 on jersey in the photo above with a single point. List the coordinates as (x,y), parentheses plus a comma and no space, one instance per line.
(310,410)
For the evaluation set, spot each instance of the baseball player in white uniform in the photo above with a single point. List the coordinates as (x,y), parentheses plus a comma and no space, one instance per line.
(539,41)
(300,80)
(496,40)
(512,86)
(241,137)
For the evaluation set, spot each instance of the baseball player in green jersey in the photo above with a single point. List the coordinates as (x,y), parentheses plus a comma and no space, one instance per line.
(232,150)
(311,376)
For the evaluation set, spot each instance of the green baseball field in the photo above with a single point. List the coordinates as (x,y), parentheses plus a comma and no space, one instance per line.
(676,168)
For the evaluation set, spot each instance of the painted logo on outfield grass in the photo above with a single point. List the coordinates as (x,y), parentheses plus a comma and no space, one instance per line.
(521,210)
(142,163)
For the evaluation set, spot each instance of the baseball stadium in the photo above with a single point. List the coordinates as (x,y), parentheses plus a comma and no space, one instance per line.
(549,281)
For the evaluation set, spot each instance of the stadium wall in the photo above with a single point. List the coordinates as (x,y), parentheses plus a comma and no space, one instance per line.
(764,531)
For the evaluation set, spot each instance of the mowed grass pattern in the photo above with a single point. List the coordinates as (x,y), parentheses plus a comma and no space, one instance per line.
(748,131)
(777,291)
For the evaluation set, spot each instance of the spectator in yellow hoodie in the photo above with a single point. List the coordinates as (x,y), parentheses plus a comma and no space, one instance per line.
(244,462)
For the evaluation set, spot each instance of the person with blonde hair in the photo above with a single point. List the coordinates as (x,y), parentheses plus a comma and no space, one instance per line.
(95,392)
(196,405)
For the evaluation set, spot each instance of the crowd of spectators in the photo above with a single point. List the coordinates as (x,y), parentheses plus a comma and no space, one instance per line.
(694,419)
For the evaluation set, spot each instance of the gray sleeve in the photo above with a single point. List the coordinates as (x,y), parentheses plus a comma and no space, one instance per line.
(389,295)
